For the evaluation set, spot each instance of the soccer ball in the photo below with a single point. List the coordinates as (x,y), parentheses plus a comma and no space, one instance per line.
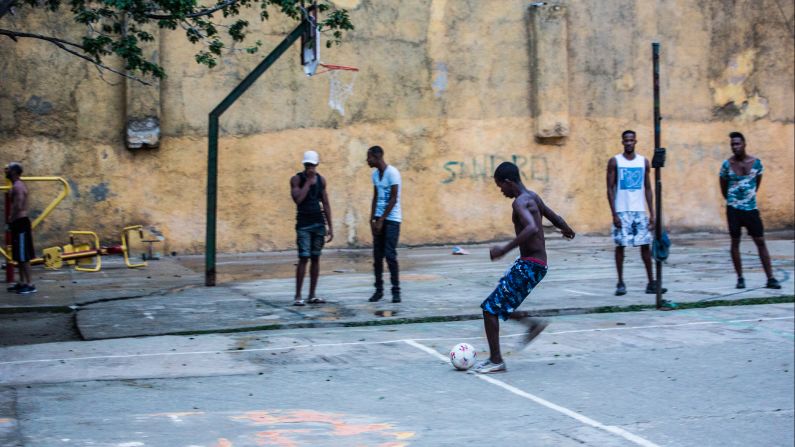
(463,356)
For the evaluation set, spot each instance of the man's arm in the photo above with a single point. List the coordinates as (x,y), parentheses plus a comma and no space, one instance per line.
(374,203)
(17,201)
(327,210)
(611,190)
(758,181)
(556,220)
(299,193)
(724,187)
(531,227)
(647,184)
(372,210)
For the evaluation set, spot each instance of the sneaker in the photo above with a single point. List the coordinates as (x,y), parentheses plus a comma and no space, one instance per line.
(772,283)
(487,367)
(651,288)
(621,289)
(535,328)
(376,296)
(740,283)
(395,297)
(668,305)
(14,288)
(25,290)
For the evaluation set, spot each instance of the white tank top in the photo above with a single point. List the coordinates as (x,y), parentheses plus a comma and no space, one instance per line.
(630,183)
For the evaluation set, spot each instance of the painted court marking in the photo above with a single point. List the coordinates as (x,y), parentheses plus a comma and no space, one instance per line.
(362,343)
(543,402)
(579,292)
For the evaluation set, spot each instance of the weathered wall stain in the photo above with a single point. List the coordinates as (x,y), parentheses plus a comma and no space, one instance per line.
(100,192)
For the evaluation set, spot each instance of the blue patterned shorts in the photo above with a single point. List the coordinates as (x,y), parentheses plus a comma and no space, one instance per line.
(634,229)
(519,280)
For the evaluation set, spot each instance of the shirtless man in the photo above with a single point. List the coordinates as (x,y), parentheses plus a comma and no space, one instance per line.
(21,233)
(526,272)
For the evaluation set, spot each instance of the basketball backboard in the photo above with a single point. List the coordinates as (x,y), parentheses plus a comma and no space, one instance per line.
(310,42)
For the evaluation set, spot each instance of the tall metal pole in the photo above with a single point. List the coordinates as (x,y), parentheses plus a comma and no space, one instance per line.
(655,50)
(212,153)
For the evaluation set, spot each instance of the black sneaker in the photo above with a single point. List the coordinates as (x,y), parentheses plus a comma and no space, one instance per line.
(740,283)
(651,288)
(621,289)
(395,297)
(772,283)
(14,288)
(376,296)
(25,290)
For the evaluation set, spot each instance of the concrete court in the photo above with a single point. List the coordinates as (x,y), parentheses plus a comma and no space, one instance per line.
(720,376)
(255,290)
(259,289)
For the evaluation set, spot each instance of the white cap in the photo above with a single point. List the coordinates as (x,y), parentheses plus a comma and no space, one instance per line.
(311,157)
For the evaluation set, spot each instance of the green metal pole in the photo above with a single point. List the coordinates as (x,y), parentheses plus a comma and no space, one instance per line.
(212,191)
(212,153)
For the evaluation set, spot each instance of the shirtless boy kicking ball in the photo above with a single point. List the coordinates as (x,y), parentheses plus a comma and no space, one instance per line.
(526,272)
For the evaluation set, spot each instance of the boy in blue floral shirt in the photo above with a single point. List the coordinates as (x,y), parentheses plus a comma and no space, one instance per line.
(740,178)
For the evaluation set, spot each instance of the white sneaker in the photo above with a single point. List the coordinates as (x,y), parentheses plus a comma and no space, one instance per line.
(488,367)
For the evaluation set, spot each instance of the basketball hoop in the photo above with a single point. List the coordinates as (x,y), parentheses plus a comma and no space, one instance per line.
(341,80)
(332,67)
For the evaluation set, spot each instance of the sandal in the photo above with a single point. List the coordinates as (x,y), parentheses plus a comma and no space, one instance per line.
(317,301)
(299,302)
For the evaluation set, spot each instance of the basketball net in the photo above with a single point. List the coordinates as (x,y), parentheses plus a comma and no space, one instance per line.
(340,89)
(341,81)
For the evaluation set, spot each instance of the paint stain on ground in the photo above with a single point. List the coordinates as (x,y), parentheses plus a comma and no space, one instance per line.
(290,428)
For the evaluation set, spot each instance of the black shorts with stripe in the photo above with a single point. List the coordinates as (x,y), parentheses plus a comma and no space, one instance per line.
(22,240)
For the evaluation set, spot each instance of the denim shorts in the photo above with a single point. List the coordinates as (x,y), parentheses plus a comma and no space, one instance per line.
(310,240)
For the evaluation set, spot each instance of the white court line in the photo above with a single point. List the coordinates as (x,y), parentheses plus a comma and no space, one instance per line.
(578,292)
(362,343)
(565,411)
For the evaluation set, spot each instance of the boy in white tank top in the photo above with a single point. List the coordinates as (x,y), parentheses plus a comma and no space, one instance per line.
(629,193)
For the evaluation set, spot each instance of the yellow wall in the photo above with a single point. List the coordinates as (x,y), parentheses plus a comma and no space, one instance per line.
(446,88)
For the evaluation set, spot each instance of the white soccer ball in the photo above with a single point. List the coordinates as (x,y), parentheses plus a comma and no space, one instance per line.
(463,356)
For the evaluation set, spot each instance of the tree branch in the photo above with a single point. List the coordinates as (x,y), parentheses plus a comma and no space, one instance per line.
(203,12)
(62,44)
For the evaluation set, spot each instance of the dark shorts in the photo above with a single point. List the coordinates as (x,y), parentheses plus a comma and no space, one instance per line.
(310,240)
(22,240)
(741,218)
(517,283)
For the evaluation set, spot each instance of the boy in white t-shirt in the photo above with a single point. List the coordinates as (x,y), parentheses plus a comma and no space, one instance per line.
(385,218)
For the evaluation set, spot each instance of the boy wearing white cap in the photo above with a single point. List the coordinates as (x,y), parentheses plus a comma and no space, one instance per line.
(308,189)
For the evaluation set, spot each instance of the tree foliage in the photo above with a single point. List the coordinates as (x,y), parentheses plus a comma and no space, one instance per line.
(119,27)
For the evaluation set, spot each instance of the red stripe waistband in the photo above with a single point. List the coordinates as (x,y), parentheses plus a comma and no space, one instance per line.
(532,259)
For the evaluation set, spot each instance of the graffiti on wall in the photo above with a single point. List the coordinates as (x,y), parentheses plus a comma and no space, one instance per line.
(481,168)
